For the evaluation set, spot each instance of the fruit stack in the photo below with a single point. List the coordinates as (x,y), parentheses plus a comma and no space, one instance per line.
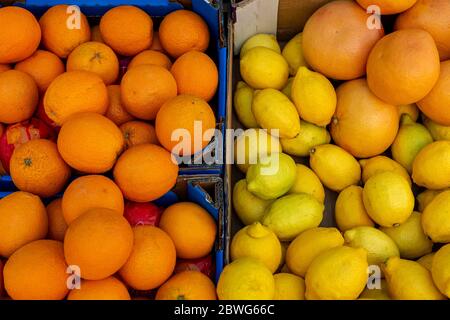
(358,134)
(87,114)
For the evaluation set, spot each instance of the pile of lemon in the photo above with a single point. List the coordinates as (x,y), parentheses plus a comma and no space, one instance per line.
(381,248)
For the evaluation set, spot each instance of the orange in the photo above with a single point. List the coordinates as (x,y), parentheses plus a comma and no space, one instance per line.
(403,67)
(22,219)
(156,43)
(145,173)
(20,34)
(145,88)
(152,57)
(95,57)
(432,16)
(182,31)
(363,125)
(43,66)
(90,142)
(37,271)
(89,192)
(388,6)
(4,67)
(56,34)
(99,242)
(191,121)
(96,34)
(127,29)
(106,289)
(19,96)
(436,105)
(337,41)
(57,226)
(196,74)
(152,260)
(2,286)
(75,92)
(138,132)
(116,111)
(187,285)
(191,228)
(37,167)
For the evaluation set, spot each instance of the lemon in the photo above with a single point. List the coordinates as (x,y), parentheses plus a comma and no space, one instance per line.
(436,218)
(273,110)
(314,96)
(293,53)
(243,98)
(289,287)
(408,280)
(440,269)
(290,215)
(427,261)
(350,211)
(339,273)
(258,242)
(308,245)
(252,145)
(431,167)
(424,198)
(378,164)
(409,109)
(410,139)
(378,245)
(263,68)
(388,199)
(246,279)
(272,176)
(380,293)
(306,181)
(335,167)
(410,238)
(248,207)
(260,40)
(438,131)
(284,247)
(309,137)
(287,89)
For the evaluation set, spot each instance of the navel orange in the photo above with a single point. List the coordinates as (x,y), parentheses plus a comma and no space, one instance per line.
(138,132)
(187,285)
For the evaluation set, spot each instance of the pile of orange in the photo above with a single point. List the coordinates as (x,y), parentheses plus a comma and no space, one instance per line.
(105,123)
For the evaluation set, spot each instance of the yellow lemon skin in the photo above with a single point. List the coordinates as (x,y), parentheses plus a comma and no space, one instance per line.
(246,279)
(306,181)
(376,293)
(408,280)
(309,137)
(431,167)
(290,215)
(409,109)
(378,245)
(427,261)
(378,164)
(266,40)
(272,177)
(436,218)
(410,139)
(440,269)
(308,245)
(410,238)
(252,145)
(287,89)
(284,247)
(258,242)
(424,198)
(243,97)
(273,110)
(314,96)
(335,167)
(248,207)
(289,287)
(339,273)
(293,53)
(438,131)
(263,68)
(388,199)
(350,211)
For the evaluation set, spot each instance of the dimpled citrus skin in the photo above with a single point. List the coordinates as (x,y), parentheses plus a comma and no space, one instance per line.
(289,287)
(260,40)
(187,285)
(436,218)
(349,209)
(440,269)
(151,57)
(378,164)
(306,181)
